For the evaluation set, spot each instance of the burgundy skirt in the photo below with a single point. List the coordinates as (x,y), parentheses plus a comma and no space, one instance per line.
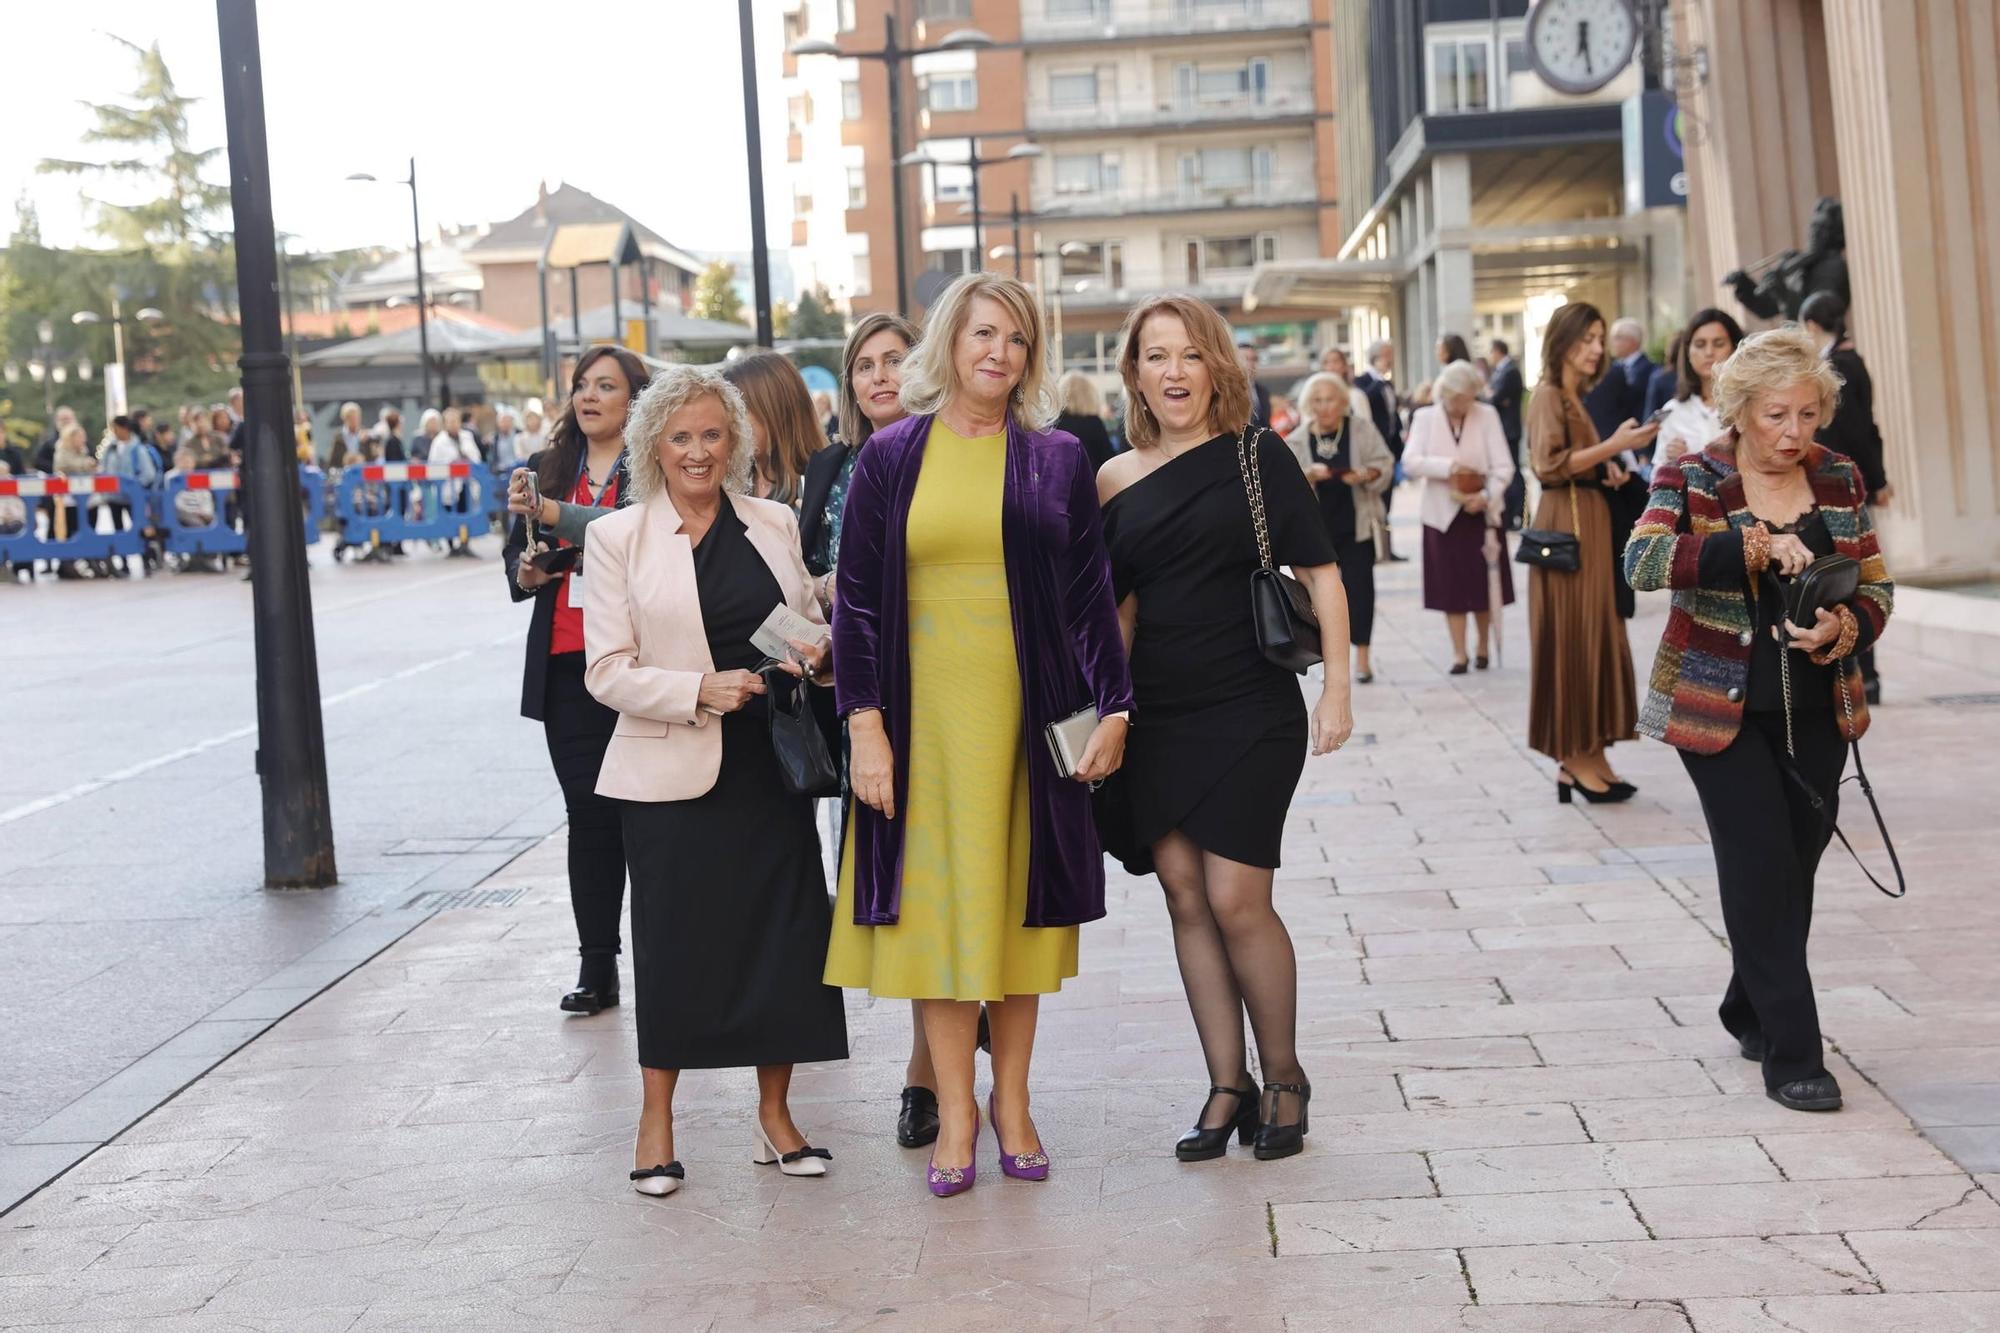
(1455,570)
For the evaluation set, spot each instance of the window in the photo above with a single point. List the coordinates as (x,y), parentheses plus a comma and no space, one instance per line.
(1459,69)
(1210,254)
(949,92)
(799,112)
(944,9)
(1076,9)
(1095,259)
(802,202)
(857,187)
(1078,89)
(862,278)
(951,181)
(1212,84)
(843,15)
(850,99)
(1229,169)
(949,261)
(1086,173)
(1267,248)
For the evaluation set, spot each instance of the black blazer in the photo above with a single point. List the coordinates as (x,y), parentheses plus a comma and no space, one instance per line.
(1504,392)
(821,471)
(541,622)
(1852,429)
(1090,432)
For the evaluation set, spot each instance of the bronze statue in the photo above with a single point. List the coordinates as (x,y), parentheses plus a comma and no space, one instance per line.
(1789,277)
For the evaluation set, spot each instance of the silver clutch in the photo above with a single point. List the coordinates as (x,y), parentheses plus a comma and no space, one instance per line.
(1067,738)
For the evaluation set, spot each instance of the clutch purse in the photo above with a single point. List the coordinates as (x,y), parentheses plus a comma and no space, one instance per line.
(1825,583)
(1281,609)
(1067,738)
(1468,483)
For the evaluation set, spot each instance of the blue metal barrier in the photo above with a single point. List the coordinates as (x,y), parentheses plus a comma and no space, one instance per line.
(381,503)
(71,496)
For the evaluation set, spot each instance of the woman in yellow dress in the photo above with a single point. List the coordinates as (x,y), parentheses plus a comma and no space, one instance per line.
(974,609)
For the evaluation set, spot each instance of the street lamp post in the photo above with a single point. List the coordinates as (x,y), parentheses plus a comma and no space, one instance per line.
(892,55)
(115,398)
(760,244)
(976,164)
(291,740)
(417,240)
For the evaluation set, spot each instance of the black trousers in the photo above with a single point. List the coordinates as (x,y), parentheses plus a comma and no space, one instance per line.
(1768,841)
(1357,576)
(578,728)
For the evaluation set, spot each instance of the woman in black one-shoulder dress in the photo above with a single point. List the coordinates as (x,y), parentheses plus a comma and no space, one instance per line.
(1219,734)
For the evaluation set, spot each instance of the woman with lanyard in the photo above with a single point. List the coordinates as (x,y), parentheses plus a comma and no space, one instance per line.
(1350,468)
(584,464)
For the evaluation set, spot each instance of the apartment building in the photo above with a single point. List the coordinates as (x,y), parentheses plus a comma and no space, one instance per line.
(1175,144)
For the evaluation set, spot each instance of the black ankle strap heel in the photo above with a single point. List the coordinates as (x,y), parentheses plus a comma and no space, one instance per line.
(1275,1140)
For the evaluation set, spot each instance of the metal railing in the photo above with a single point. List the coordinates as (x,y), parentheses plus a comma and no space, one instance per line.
(1179,198)
(1288,101)
(1046,21)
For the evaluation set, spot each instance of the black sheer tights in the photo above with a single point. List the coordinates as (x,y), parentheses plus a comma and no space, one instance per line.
(1235,956)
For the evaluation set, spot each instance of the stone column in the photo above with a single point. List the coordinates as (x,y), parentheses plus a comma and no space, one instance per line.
(1451,215)
(1916,103)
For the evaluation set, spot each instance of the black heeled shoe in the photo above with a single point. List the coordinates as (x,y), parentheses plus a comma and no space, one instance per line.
(1457,669)
(1480,663)
(1275,1140)
(917,1122)
(596,986)
(1612,795)
(1204,1145)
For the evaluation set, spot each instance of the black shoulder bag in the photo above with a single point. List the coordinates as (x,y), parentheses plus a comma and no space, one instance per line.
(1827,582)
(1557,551)
(1280,607)
(805,761)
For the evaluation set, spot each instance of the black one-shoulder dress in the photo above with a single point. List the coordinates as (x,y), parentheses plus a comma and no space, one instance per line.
(1219,733)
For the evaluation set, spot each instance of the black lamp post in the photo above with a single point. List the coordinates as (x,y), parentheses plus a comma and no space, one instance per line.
(423,305)
(760,244)
(291,742)
(975,164)
(892,55)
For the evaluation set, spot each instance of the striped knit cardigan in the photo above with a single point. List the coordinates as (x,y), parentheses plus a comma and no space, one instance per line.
(1698,538)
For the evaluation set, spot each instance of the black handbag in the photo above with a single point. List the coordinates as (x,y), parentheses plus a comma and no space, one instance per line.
(805,762)
(1281,609)
(1824,584)
(1558,551)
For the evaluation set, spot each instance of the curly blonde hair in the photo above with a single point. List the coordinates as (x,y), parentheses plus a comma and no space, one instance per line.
(1772,362)
(930,379)
(1229,409)
(646,421)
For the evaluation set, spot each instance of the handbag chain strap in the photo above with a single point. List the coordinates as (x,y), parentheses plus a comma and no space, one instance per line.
(1253,486)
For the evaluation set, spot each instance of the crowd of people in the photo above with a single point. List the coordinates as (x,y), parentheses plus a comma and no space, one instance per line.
(1020,648)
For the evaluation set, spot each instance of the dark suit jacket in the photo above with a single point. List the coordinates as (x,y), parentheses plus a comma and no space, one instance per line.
(1260,404)
(1504,392)
(1094,438)
(821,471)
(1382,406)
(1619,397)
(1660,390)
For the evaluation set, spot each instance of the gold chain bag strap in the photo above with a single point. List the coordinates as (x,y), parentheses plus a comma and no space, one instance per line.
(1281,609)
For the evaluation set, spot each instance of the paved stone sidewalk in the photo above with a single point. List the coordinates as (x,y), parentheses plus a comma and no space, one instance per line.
(1525,1118)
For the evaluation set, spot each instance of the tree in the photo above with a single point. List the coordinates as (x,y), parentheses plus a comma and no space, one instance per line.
(169,247)
(813,317)
(715,294)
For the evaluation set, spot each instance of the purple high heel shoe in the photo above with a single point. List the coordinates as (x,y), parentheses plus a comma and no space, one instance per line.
(1019,1165)
(946,1181)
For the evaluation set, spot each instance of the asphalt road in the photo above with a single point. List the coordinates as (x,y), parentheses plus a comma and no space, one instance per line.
(131,898)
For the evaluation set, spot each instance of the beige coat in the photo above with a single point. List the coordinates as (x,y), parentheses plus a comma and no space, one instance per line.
(646,649)
(1371,518)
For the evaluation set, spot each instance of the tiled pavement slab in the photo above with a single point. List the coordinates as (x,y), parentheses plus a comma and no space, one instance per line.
(1525,1118)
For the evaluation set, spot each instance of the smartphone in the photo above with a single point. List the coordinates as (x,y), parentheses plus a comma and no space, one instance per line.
(1659,415)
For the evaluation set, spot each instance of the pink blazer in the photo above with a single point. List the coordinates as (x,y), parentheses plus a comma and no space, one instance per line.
(646,649)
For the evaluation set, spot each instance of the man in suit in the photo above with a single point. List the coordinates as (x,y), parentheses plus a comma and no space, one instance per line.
(1260,397)
(1382,406)
(1620,397)
(1503,390)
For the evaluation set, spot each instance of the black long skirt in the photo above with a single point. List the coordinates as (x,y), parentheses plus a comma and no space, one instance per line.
(730,919)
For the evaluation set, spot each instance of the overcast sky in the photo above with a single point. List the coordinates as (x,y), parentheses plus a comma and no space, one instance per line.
(639,103)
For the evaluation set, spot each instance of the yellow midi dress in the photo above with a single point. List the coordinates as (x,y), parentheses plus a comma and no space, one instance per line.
(965,819)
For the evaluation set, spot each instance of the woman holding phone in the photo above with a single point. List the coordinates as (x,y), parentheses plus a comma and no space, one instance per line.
(576,479)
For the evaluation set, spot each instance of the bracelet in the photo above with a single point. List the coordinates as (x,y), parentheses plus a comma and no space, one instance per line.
(1850,630)
(1756,548)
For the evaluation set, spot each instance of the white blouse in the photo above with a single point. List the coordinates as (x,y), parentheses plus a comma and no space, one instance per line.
(1688,427)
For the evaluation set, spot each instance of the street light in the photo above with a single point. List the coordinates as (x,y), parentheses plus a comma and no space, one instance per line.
(417,237)
(974,163)
(892,55)
(114,378)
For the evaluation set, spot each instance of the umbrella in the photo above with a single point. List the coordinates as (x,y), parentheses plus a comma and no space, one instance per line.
(1496,551)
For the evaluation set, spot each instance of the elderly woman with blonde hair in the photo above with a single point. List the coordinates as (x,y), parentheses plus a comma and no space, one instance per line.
(1458,447)
(974,617)
(1761,706)
(1350,468)
(729,913)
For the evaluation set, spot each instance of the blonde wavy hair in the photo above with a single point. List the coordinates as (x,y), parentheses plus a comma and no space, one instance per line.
(1228,409)
(1772,362)
(930,377)
(646,421)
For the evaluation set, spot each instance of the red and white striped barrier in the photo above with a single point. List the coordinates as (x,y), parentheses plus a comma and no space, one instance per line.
(218,479)
(40,486)
(415,471)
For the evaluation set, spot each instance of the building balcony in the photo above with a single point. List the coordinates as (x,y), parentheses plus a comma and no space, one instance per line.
(1218,288)
(1075,22)
(1288,103)
(1288,193)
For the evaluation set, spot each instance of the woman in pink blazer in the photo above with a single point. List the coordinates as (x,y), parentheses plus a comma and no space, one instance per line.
(1457,446)
(729,909)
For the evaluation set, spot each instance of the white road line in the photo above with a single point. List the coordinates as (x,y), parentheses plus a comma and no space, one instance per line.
(145,766)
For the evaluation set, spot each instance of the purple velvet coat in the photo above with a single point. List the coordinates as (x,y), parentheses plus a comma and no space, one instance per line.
(1066,643)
